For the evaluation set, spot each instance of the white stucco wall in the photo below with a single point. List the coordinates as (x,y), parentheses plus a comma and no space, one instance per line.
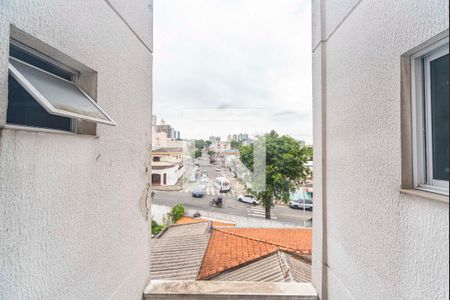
(72,225)
(380,244)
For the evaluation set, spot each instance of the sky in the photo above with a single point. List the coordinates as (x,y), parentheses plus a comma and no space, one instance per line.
(233,66)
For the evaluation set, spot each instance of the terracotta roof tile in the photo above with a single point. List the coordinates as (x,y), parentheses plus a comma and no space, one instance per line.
(232,247)
(292,239)
(189,220)
(226,251)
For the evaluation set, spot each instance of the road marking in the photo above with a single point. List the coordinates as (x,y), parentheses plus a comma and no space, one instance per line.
(262,216)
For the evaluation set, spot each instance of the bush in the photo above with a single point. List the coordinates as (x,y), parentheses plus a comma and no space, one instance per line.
(156,228)
(176,213)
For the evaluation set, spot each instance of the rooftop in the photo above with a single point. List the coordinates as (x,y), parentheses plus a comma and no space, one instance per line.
(202,249)
(167,150)
(229,248)
(214,223)
(177,254)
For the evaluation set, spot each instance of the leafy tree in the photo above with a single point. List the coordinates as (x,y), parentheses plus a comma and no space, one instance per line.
(211,153)
(235,144)
(200,144)
(197,153)
(309,152)
(156,228)
(285,169)
(208,143)
(176,213)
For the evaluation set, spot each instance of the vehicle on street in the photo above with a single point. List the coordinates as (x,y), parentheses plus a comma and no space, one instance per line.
(222,184)
(193,177)
(204,173)
(301,204)
(198,191)
(217,201)
(248,199)
(204,179)
(217,169)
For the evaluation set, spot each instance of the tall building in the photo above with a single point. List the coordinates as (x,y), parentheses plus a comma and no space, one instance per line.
(74,213)
(381,210)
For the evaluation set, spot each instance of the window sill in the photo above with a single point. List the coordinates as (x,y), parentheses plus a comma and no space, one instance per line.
(44,130)
(426,195)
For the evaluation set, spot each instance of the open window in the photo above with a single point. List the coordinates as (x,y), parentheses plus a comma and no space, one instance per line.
(43,93)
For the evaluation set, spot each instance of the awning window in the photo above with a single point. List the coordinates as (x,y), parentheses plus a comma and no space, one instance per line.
(56,95)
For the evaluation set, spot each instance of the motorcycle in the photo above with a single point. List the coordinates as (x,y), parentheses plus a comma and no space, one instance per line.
(217,202)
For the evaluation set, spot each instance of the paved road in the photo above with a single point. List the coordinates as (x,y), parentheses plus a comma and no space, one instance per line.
(230,204)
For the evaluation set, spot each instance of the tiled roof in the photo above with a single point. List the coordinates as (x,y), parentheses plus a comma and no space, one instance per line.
(177,254)
(232,247)
(277,267)
(292,239)
(189,220)
(226,251)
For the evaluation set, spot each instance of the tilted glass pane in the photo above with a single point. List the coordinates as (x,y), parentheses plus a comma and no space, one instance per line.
(439,116)
(62,94)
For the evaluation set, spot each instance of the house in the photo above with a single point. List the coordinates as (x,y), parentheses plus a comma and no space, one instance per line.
(168,165)
(381,210)
(218,251)
(75,133)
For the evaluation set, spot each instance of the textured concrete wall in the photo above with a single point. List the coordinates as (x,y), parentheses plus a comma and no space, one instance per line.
(71,221)
(380,244)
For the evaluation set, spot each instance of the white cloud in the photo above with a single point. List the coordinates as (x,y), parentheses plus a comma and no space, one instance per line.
(234,54)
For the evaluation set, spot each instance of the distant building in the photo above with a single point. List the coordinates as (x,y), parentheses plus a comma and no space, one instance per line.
(168,166)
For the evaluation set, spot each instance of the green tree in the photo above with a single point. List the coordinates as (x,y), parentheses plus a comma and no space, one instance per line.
(157,228)
(285,169)
(235,144)
(197,153)
(211,153)
(176,213)
(309,152)
(200,144)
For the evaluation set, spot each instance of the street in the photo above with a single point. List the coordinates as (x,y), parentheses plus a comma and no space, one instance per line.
(231,205)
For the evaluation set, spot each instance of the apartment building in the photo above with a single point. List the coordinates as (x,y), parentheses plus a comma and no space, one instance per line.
(380,90)
(75,136)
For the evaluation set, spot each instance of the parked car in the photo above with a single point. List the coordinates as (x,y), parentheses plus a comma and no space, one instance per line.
(217,169)
(248,199)
(198,191)
(204,179)
(298,204)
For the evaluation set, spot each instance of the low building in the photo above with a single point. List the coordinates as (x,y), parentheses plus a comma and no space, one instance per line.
(168,166)
(217,251)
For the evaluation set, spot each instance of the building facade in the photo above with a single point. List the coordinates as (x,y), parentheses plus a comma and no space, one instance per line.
(74,163)
(380,229)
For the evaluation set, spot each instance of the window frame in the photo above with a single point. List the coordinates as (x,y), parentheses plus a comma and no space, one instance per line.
(421,118)
(46,104)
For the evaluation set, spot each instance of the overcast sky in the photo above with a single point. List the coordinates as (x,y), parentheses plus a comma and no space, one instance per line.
(233,66)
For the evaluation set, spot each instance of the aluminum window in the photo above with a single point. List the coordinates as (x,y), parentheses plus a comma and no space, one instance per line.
(430,104)
(57,95)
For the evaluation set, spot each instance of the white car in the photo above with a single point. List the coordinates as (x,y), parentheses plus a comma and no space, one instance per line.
(204,179)
(248,199)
